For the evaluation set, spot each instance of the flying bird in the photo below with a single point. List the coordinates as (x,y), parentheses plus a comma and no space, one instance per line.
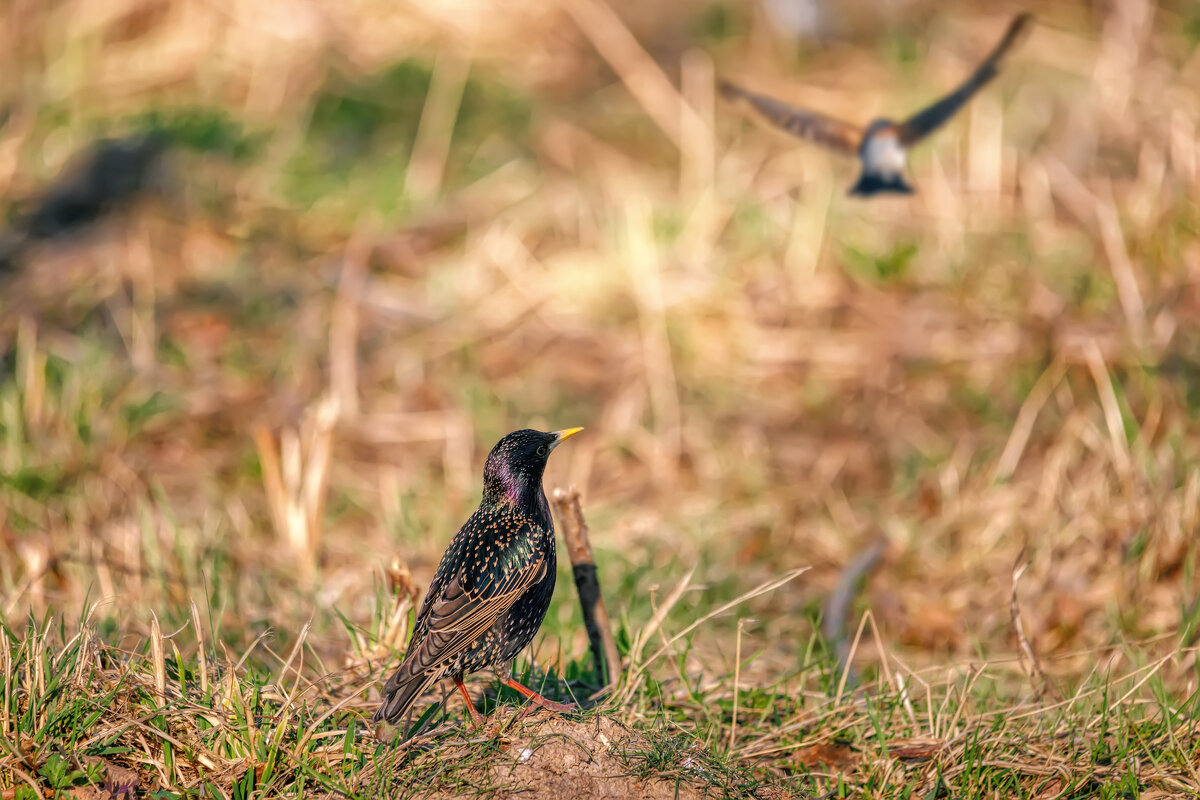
(883,146)
(493,585)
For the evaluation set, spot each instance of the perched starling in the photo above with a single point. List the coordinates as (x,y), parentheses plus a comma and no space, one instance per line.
(883,145)
(493,586)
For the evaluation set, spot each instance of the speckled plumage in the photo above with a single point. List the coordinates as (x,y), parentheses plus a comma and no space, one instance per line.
(492,588)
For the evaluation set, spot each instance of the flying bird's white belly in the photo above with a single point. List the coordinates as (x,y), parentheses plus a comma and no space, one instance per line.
(882,153)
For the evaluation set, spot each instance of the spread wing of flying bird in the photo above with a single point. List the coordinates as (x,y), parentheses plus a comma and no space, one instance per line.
(932,117)
(817,128)
(847,138)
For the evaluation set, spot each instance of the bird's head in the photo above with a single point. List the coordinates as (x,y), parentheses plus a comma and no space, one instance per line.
(513,472)
(878,126)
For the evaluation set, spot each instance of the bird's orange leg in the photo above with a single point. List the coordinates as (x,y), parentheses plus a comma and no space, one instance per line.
(476,717)
(534,697)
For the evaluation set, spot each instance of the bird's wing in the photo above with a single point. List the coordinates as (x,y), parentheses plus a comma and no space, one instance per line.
(932,117)
(818,128)
(459,615)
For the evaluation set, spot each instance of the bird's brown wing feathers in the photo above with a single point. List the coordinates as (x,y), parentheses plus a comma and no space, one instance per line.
(456,618)
(932,117)
(817,128)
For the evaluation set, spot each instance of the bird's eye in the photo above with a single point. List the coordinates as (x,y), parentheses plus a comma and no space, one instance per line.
(542,450)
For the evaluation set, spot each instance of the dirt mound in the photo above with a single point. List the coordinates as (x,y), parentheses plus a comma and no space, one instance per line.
(553,757)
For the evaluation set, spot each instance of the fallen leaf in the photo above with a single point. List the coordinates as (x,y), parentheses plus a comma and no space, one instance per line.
(833,755)
(914,749)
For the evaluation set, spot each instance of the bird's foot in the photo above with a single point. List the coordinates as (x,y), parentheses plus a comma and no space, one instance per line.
(537,699)
(477,719)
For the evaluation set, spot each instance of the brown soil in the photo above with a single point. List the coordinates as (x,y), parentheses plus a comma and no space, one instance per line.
(552,757)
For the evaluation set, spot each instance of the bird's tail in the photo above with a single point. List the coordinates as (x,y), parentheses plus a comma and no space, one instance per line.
(400,692)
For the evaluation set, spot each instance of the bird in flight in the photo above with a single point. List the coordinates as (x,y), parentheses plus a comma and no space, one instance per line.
(883,146)
(493,585)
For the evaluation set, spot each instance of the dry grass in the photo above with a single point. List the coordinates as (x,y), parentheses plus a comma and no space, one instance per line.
(395,236)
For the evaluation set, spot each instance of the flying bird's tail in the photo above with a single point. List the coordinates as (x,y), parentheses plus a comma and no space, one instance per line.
(871,183)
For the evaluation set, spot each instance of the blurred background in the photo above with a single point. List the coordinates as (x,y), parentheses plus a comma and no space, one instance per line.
(251,358)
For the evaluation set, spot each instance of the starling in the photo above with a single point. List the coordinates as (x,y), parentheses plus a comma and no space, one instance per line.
(493,585)
(883,146)
(108,177)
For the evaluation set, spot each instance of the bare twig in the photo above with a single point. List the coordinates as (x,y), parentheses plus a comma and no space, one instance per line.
(1035,666)
(837,606)
(583,566)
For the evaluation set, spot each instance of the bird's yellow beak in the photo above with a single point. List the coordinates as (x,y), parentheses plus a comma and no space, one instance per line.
(564,434)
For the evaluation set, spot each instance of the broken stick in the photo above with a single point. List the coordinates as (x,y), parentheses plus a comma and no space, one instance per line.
(837,606)
(583,567)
